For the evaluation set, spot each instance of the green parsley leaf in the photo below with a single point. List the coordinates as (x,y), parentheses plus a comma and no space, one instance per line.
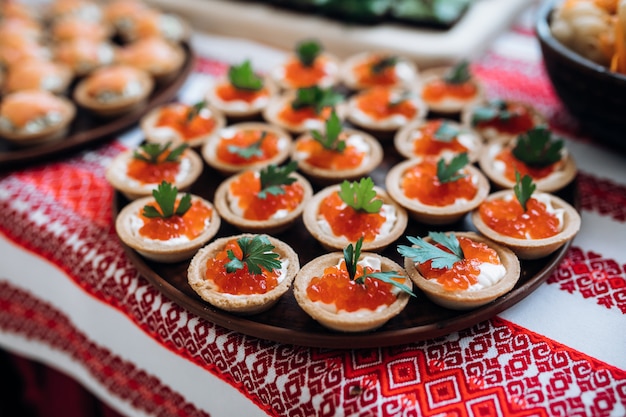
(536,147)
(316,98)
(384,62)
(423,251)
(524,188)
(247,152)
(450,172)
(330,139)
(458,74)
(195,110)
(165,195)
(242,77)
(360,195)
(308,51)
(274,178)
(256,255)
(493,110)
(400,98)
(446,132)
(152,152)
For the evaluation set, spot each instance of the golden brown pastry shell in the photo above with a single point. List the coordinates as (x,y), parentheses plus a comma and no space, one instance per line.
(451,107)
(349,80)
(162,74)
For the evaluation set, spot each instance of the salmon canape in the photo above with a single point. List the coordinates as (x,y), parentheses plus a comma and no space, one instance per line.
(36,74)
(118,13)
(83,56)
(449,90)
(247,145)
(160,58)
(15,49)
(14,28)
(182,123)
(336,154)
(537,153)
(307,66)
(437,138)
(352,291)
(533,224)
(167,227)
(437,191)
(32,117)
(343,213)
(461,270)
(136,172)
(243,274)
(71,28)
(113,90)
(17,10)
(242,94)
(379,69)
(81,9)
(150,22)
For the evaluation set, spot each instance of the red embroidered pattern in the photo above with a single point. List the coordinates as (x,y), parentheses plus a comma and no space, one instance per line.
(602,196)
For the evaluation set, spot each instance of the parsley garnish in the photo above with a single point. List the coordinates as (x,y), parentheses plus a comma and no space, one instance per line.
(195,110)
(165,195)
(153,152)
(242,77)
(382,63)
(247,152)
(422,251)
(458,74)
(450,172)
(316,97)
(308,51)
(536,147)
(446,132)
(273,178)
(360,195)
(351,257)
(524,188)
(256,255)
(493,110)
(330,139)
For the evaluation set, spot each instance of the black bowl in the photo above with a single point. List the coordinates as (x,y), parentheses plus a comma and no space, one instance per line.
(592,93)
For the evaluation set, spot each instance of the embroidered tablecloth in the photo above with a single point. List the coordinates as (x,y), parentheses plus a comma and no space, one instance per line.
(69,297)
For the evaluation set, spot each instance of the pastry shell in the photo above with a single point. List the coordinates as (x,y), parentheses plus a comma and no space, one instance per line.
(343,321)
(429,214)
(162,69)
(241,110)
(408,76)
(449,106)
(332,242)
(271,226)
(248,304)
(463,299)
(154,249)
(532,248)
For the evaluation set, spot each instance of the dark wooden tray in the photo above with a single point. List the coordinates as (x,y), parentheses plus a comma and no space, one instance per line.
(287,323)
(88,129)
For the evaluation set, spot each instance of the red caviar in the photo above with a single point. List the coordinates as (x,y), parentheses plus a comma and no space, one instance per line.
(375,102)
(508,218)
(240,282)
(464,273)
(366,76)
(439,89)
(228,92)
(298,116)
(191,224)
(420,182)
(347,222)
(243,139)
(513,164)
(300,76)
(335,287)
(176,116)
(153,173)
(320,157)
(428,144)
(246,188)
(520,120)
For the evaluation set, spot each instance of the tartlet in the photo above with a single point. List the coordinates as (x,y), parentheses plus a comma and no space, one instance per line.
(306,68)
(152,22)
(249,303)
(438,206)
(37,74)
(84,56)
(361,320)
(70,28)
(182,123)
(114,90)
(222,151)
(32,117)
(436,138)
(530,248)
(379,69)
(160,58)
(449,90)
(455,296)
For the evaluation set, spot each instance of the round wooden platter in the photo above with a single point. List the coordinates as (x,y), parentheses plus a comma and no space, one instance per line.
(88,129)
(287,323)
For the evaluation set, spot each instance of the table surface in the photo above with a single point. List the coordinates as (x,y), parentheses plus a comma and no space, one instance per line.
(69,297)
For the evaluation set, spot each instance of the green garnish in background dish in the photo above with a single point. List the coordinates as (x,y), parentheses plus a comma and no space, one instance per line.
(423,251)
(458,74)
(152,152)
(446,132)
(536,147)
(524,188)
(195,110)
(494,110)
(360,195)
(351,255)
(242,77)
(384,62)
(273,178)
(247,152)
(450,172)
(165,195)
(308,51)
(330,138)
(317,98)
(256,255)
